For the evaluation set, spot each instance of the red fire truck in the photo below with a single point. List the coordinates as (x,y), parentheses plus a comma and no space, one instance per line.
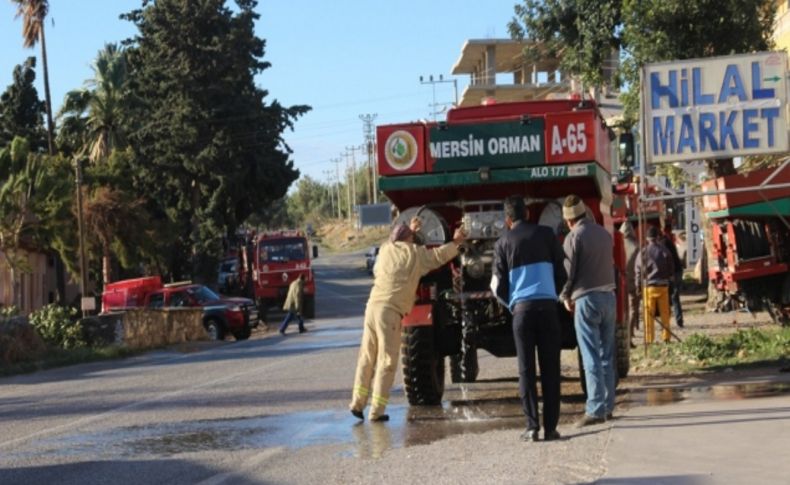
(270,261)
(456,173)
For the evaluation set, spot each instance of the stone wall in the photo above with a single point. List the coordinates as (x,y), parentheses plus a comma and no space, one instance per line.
(145,328)
(19,341)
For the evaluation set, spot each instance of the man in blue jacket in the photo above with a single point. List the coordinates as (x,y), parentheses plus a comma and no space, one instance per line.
(528,274)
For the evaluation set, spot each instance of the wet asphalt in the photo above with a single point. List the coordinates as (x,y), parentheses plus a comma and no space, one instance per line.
(273,410)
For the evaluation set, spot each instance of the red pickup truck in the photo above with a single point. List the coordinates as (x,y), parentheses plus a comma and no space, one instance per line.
(237,316)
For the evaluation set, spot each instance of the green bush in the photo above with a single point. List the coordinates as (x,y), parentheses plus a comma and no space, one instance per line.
(8,312)
(58,325)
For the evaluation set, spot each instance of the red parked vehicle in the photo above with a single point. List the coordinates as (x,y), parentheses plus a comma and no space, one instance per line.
(221,315)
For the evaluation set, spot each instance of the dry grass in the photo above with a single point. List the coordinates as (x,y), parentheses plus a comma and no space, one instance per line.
(341,236)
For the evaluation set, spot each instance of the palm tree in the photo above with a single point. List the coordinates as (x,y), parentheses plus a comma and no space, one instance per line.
(33,13)
(92,122)
(93,116)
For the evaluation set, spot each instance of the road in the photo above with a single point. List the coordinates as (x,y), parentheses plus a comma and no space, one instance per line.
(273,409)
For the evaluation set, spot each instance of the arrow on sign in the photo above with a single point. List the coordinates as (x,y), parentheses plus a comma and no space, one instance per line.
(774,79)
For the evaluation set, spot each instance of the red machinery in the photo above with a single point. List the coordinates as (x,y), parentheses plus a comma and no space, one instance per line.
(457,172)
(751,241)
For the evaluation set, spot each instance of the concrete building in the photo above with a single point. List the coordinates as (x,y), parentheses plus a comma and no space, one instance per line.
(781,33)
(499,72)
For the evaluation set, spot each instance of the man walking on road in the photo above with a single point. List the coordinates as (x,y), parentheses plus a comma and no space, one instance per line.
(631,253)
(589,295)
(399,266)
(528,274)
(658,269)
(293,304)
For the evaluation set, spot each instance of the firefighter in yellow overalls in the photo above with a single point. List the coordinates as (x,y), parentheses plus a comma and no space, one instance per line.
(399,266)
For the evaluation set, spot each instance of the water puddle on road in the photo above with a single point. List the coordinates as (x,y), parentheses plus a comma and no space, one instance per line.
(657,396)
(408,426)
(468,413)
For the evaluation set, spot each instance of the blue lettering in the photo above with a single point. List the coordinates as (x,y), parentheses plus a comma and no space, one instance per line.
(707,123)
(757,82)
(684,87)
(687,135)
(726,130)
(748,128)
(769,114)
(699,97)
(729,89)
(664,135)
(657,90)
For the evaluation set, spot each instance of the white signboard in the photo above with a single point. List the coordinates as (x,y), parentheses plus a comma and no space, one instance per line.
(693,233)
(718,107)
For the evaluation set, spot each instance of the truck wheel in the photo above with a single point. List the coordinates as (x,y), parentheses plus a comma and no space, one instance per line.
(263,308)
(214,329)
(309,306)
(423,368)
(622,338)
(463,366)
(243,334)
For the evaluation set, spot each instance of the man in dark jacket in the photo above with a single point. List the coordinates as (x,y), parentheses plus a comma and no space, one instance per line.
(677,277)
(528,273)
(589,296)
(656,266)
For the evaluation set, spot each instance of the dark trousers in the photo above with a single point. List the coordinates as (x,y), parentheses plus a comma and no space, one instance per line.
(288,317)
(674,298)
(536,325)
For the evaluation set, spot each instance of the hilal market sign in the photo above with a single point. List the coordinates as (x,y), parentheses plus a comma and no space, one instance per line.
(504,144)
(718,107)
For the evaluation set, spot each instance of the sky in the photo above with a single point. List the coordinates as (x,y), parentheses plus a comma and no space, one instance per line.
(344,58)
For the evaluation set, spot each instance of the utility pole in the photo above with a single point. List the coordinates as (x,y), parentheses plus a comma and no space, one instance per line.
(81,236)
(368,131)
(351,151)
(328,175)
(433,82)
(337,161)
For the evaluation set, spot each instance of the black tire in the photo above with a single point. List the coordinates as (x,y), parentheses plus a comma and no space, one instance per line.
(423,367)
(622,338)
(309,306)
(464,366)
(243,334)
(214,329)
(263,309)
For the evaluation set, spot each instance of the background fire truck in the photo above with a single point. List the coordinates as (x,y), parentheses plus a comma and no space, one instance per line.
(269,262)
(457,172)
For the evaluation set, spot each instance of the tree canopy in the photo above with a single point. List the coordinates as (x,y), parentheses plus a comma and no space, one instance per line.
(21,110)
(208,148)
(581,31)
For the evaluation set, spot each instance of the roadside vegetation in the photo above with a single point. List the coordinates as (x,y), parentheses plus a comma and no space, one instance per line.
(700,353)
(50,337)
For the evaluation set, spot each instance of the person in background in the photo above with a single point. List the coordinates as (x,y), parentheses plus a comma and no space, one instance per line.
(656,264)
(589,296)
(528,274)
(399,266)
(677,276)
(293,304)
(631,253)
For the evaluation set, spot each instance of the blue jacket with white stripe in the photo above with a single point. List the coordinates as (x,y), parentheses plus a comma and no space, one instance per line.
(528,265)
